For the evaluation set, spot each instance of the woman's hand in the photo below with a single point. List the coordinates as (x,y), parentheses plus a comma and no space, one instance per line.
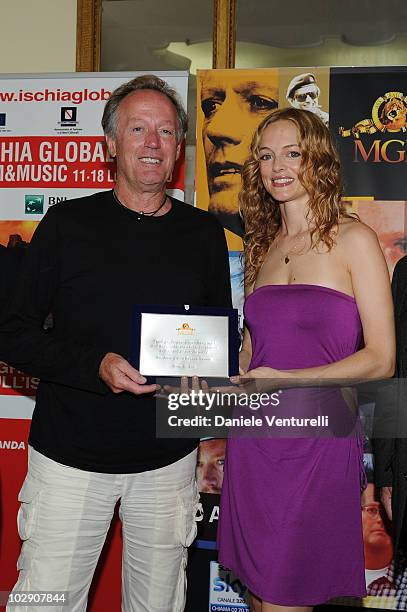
(265,372)
(197,385)
(244,361)
(262,372)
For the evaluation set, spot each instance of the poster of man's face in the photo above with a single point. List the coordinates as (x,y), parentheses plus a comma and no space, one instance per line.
(209,470)
(378,544)
(231,104)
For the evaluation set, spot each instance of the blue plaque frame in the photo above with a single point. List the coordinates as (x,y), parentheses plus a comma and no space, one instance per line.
(233,329)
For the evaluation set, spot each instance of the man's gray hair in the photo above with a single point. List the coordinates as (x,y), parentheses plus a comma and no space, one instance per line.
(147,81)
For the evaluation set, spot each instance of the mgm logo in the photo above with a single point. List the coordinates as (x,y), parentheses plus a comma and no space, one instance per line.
(388,114)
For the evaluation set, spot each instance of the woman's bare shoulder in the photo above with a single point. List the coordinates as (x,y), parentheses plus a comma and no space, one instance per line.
(355,234)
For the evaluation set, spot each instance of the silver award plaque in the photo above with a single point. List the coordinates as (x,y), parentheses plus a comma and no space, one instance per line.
(184,345)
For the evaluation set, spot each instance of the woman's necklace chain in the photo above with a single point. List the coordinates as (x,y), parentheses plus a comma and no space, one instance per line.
(296,249)
(141,213)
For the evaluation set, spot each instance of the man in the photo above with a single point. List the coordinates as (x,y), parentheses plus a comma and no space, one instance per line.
(384,579)
(233,104)
(390,444)
(11,258)
(303,93)
(378,545)
(92,440)
(209,470)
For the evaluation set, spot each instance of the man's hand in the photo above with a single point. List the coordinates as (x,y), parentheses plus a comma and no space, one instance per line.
(385,498)
(120,376)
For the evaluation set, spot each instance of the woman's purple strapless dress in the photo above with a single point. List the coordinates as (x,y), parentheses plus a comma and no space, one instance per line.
(290,522)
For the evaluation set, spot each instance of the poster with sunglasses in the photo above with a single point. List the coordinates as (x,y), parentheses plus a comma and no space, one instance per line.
(306,89)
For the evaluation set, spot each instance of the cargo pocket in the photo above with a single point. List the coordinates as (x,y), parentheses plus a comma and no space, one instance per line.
(181,588)
(188,507)
(187,529)
(27,518)
(27,513)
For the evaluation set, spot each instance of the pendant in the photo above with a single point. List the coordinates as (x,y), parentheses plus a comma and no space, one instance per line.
(286,259)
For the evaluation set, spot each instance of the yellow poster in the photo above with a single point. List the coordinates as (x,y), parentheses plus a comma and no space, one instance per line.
(231,104)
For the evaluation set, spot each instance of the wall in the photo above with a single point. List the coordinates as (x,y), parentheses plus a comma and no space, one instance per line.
(37,36)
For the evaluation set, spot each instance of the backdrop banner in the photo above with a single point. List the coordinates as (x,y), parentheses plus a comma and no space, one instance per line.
(366,111)
(52,149)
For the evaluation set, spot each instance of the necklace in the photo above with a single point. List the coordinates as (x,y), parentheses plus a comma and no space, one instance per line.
(298,246)
(140,213)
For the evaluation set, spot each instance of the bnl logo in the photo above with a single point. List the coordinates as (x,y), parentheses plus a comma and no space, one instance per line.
(34,204)
(68,115)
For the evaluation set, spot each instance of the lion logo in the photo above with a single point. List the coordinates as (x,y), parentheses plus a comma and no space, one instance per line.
(393,115)
(185,329)
(389,114)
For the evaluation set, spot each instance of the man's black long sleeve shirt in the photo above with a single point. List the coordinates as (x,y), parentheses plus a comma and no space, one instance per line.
(90,261)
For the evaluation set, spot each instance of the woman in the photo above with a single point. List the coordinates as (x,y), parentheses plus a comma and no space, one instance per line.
(316,284)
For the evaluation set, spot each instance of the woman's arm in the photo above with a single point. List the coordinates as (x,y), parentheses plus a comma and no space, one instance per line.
(245,354)
(365,262)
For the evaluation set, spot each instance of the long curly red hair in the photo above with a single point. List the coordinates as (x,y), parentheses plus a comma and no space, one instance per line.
(319,174)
